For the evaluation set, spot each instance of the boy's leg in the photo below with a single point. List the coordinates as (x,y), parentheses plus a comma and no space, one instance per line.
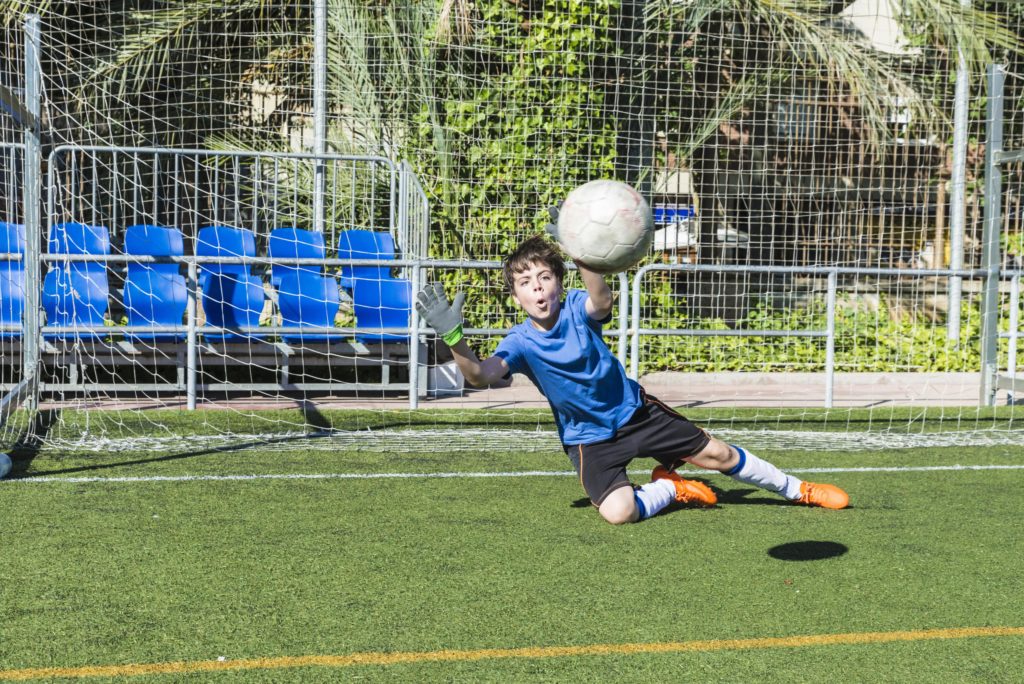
(743,466)
(603,476)
(602,471)
(670,433)
(633,504)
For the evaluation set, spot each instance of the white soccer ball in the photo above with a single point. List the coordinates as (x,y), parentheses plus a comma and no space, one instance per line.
(606,225)
(5,465)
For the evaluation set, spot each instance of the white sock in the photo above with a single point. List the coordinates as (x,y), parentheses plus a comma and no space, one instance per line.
(761,473)
(654,496)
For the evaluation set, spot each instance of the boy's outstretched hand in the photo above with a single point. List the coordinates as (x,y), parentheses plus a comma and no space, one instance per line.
(552,226)
(445,318)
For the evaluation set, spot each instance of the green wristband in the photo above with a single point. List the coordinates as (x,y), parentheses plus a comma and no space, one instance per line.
(452,337)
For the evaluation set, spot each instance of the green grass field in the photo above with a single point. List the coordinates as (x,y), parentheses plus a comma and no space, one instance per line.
(502,578)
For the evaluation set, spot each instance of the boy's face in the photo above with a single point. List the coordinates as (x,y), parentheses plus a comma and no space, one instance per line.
(539,292)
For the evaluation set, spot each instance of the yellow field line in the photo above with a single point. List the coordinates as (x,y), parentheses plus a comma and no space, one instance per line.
(413,657)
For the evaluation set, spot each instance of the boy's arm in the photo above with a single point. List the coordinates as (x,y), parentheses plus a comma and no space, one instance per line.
(599,300)
(446,320)
(491,372)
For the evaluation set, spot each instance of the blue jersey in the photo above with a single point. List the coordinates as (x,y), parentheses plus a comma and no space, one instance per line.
(573,368)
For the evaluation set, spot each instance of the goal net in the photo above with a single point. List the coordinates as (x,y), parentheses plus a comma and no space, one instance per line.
(240,201)
(15,117)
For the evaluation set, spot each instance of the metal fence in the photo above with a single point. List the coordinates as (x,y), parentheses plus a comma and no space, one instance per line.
(188,189)
(812,227)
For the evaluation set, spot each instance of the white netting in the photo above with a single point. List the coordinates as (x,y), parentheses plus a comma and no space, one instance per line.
(482,441)
(12,155)
(772,140)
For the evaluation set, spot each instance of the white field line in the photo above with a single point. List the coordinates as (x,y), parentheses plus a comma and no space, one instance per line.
(456,475)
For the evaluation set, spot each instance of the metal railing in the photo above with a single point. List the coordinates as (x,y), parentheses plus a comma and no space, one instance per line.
(827,333)
(630,292)
(189,188)
(192,330)
(991,255)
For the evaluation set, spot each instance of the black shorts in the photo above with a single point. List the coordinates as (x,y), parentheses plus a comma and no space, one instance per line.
(655,431)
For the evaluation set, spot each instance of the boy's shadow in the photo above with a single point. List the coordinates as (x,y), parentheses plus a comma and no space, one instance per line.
(742,496)
(731,496)
(807,550)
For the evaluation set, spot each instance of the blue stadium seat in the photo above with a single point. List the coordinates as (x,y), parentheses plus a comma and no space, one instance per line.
(225,241)
(382,304)
(364,244)
(385,244)
(75,293)
(12,277)
(154,294)
(294,243)
(307,298)
(232,295)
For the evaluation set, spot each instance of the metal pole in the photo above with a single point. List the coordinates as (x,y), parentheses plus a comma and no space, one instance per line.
(319,110)
(191,312)
(33,203)
(402,208)
(634,335)
(1011,356)
(990,235)
(623,317)
(414,345)
(958,191)
(830,340)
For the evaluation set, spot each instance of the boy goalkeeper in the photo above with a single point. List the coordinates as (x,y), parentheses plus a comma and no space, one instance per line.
(604,419)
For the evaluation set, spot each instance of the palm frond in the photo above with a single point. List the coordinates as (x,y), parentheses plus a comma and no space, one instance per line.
(153,37)
(808,45)
(951,26)
(727,107)
(819,50)
(350,66)
(15,11)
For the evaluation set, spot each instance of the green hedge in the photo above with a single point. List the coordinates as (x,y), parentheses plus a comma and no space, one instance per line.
(889,339)
(524,122)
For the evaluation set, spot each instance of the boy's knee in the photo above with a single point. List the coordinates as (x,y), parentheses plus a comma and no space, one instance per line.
(717,455)
(619,507)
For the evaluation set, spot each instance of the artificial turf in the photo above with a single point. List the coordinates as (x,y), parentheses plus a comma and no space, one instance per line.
(109,573)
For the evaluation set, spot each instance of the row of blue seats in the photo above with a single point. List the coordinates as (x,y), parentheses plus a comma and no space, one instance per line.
(76,293)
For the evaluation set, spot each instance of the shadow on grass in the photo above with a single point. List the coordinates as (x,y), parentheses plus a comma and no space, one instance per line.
(729,497)
(28,448)
(807,550)
(31,441)
(732,496)
(170,457)
(743,496)
(313,416)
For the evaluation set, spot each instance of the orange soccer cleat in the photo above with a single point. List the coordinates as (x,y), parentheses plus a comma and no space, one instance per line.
(824,495)
(687,491)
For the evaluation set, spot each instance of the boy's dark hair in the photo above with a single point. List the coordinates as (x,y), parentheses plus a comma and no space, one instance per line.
(537,249)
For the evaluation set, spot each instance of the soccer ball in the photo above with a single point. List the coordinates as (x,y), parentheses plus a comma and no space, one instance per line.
(606,225)
(5,465)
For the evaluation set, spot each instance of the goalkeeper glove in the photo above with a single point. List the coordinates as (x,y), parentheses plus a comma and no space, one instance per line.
(552,226)
(444,318)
